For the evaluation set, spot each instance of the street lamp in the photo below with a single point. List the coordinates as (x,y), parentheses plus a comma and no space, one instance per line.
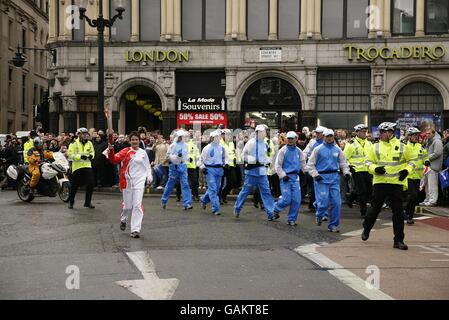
(19,60)
(100,24)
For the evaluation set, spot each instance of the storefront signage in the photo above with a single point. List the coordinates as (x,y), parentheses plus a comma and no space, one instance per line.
(406,120)
(386,53)
(157,56)
(204,118)
(201,104)
(270,55)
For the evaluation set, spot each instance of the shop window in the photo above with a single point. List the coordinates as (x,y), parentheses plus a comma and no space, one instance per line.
(437,16)
(289,12)
(403,17)
(203,20)
(257,19)
(344,91)
(150,20)
(121,30)
(340,120)
(344,18)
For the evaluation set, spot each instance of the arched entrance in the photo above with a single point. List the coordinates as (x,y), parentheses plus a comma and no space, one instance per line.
(272,101)
(419,104)
(143,108)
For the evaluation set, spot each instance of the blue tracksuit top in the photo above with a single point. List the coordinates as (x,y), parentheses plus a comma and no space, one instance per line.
(216,155)
(292,162)
(328,160)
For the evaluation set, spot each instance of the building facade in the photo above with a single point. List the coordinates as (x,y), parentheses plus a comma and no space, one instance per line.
(289,64)
(23,23)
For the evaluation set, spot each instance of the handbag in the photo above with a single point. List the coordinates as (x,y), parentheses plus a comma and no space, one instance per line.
(444,178)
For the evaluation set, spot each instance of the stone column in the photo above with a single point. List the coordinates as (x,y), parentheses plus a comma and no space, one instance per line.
(65,33)
(52,37)
(163,19)
(242,20)
(310,18)
(106,15)
(419,18)
(228,31)
(235,18)
(170,20)
(317,18)
(177,20)
(273,27)
(303,31)
(135,21)
(91,34)
(387,18)
(373,19)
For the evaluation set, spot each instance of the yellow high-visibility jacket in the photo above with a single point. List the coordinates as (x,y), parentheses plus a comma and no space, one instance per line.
(76,150)
(194,154)
(356,152)
(419,156)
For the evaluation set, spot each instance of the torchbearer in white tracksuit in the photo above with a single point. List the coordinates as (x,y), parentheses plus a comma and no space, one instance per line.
(134,174)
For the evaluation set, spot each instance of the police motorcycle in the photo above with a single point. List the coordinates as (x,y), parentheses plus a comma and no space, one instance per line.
(53,179)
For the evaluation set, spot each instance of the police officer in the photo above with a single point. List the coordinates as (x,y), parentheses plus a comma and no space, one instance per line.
(213,160)
(34,157)
(324,166)
(255,157)
(289,162)
(178,156)
(355,153)
(81,152)
(192,170)
(231,173)
(421,158)
(389,160)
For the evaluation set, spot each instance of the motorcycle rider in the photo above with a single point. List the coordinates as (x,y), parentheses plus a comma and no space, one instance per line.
(35,156)
(28,145)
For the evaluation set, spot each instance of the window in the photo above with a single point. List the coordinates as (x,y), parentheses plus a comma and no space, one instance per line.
(403,17)
(257,22)
(35,95)
(10,74)
(24,39)
(150,20)
(289,12)
(24,91)
(203,20)
(11,33)
(437,16)
(121,31)
(344,18)
(78,26)
(418,97)
(343,90)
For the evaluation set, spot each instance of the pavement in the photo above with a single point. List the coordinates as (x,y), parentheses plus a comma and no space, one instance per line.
(50,252)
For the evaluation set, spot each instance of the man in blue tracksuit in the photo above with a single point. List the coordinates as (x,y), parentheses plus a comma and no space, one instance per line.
(213,159)
(256,161)
(324,166)
(289,162)
(178,156)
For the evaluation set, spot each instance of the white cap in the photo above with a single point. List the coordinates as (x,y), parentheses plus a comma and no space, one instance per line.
(291,134)
(320,129)
(261,127)
(215,133)
(328,132)
(181,133)
(225,131)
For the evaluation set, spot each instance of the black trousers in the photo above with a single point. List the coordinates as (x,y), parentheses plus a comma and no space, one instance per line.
(193,183)
(275,185)
(81,177)
(412,197)
(395,194)
(232,181)
(363,189)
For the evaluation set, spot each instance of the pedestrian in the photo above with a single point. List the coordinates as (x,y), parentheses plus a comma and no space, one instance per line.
(160,162)
(434,148)
(178,155)
(256,156)
(324,166)
(232,171)
(213,160)
(289,162)
(135,172)
(355,152)
(81,153)
(421,159)
(389,160)
(192,172)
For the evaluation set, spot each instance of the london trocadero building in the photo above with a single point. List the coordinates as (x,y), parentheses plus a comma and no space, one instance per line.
(286,63)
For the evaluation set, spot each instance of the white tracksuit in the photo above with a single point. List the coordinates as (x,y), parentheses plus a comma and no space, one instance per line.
(135,171)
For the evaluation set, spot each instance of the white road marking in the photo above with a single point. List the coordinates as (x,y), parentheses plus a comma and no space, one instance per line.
(355,233)
(389,224)
(422,218)
(347,277)
(439,260)
(151,288)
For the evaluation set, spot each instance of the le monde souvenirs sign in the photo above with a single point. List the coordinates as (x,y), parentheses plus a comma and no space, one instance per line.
(372,53)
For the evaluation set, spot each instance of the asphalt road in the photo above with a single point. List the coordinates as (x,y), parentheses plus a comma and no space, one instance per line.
(212,257)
